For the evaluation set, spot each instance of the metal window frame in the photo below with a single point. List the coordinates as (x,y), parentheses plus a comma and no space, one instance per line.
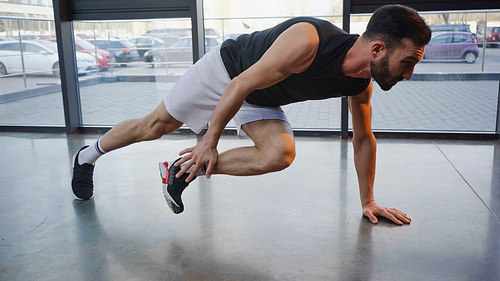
(68,70)
(369,6)
(498,111)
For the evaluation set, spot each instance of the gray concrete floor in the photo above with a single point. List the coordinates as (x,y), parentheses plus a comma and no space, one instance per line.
(303,223)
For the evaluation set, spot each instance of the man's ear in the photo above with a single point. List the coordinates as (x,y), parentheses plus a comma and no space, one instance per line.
(377,50)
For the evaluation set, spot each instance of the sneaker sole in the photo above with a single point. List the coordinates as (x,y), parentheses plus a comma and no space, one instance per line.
(165,174)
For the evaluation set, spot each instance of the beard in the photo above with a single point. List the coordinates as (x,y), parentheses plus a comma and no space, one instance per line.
(380,72)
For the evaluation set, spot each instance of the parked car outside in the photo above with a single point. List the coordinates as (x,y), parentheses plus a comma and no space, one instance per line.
(38,56)
(450,27)
(168,35)
(122,37)
(104,58)
(34,37)
(179,52)
(90,36)
(6,39)
(492,37)
(146,43)
(452,46)
(122,50)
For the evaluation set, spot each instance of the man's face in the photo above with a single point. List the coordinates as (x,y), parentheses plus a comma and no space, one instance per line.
(398,65)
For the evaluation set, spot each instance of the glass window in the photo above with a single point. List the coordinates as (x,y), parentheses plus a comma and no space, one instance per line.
(442,39)
(50,45)
(230,19)
(84,45)
(10,46)
(114,44)
(211,42)
(30,92)
(102,44)
(144,41)
(32,48)
(445,92)
(181,43)
(134,73)
(458,38)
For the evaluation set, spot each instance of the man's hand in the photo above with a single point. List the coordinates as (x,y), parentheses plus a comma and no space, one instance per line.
(371,210)
(199,155)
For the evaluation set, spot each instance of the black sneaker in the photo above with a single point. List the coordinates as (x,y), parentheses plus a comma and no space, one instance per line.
(173,187)
(82,184)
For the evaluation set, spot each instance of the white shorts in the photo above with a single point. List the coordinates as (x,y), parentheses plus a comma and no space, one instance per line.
(194,97)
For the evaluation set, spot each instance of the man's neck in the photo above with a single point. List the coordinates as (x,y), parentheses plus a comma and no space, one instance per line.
(356,62)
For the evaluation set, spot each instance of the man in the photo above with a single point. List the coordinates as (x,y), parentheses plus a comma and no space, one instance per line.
(249,78)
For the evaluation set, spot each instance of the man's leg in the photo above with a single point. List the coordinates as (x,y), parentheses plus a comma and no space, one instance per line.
(149,127)
(273,150)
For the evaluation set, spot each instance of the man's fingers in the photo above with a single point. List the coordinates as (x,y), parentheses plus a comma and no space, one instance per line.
(391,217)
(190,177)
(400,215)
(192,173)
(183,160)
(403,218)
(187,150)
(392,214)
(371,217)
(210,167)
(184,168)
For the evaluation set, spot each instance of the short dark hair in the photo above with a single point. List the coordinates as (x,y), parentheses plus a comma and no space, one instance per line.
(392,23)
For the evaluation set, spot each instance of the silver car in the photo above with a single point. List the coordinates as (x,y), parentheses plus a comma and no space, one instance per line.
(38,57)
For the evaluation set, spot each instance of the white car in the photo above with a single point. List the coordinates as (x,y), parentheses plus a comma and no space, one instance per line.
(38,57)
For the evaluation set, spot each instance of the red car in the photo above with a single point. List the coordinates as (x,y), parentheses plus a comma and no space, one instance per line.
(492,37)
(105,59)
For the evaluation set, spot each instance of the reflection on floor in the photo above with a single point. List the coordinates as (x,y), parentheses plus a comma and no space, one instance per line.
(303,223)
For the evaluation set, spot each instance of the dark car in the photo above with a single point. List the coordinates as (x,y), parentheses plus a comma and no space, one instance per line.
(492,37)
(450,27)
(146,43)
(169,35)
(178,52)
(452,46)
(122,50)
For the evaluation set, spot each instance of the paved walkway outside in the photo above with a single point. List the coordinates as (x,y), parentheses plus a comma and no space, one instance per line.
(410,105)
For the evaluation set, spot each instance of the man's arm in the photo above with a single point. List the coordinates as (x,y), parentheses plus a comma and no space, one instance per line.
(292,52)
(365,147)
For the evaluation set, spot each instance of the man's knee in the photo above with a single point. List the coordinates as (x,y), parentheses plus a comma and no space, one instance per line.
(274,142)
(157,123)
(153,129)
(280,157)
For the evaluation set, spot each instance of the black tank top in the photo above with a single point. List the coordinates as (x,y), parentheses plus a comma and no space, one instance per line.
(322,80)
